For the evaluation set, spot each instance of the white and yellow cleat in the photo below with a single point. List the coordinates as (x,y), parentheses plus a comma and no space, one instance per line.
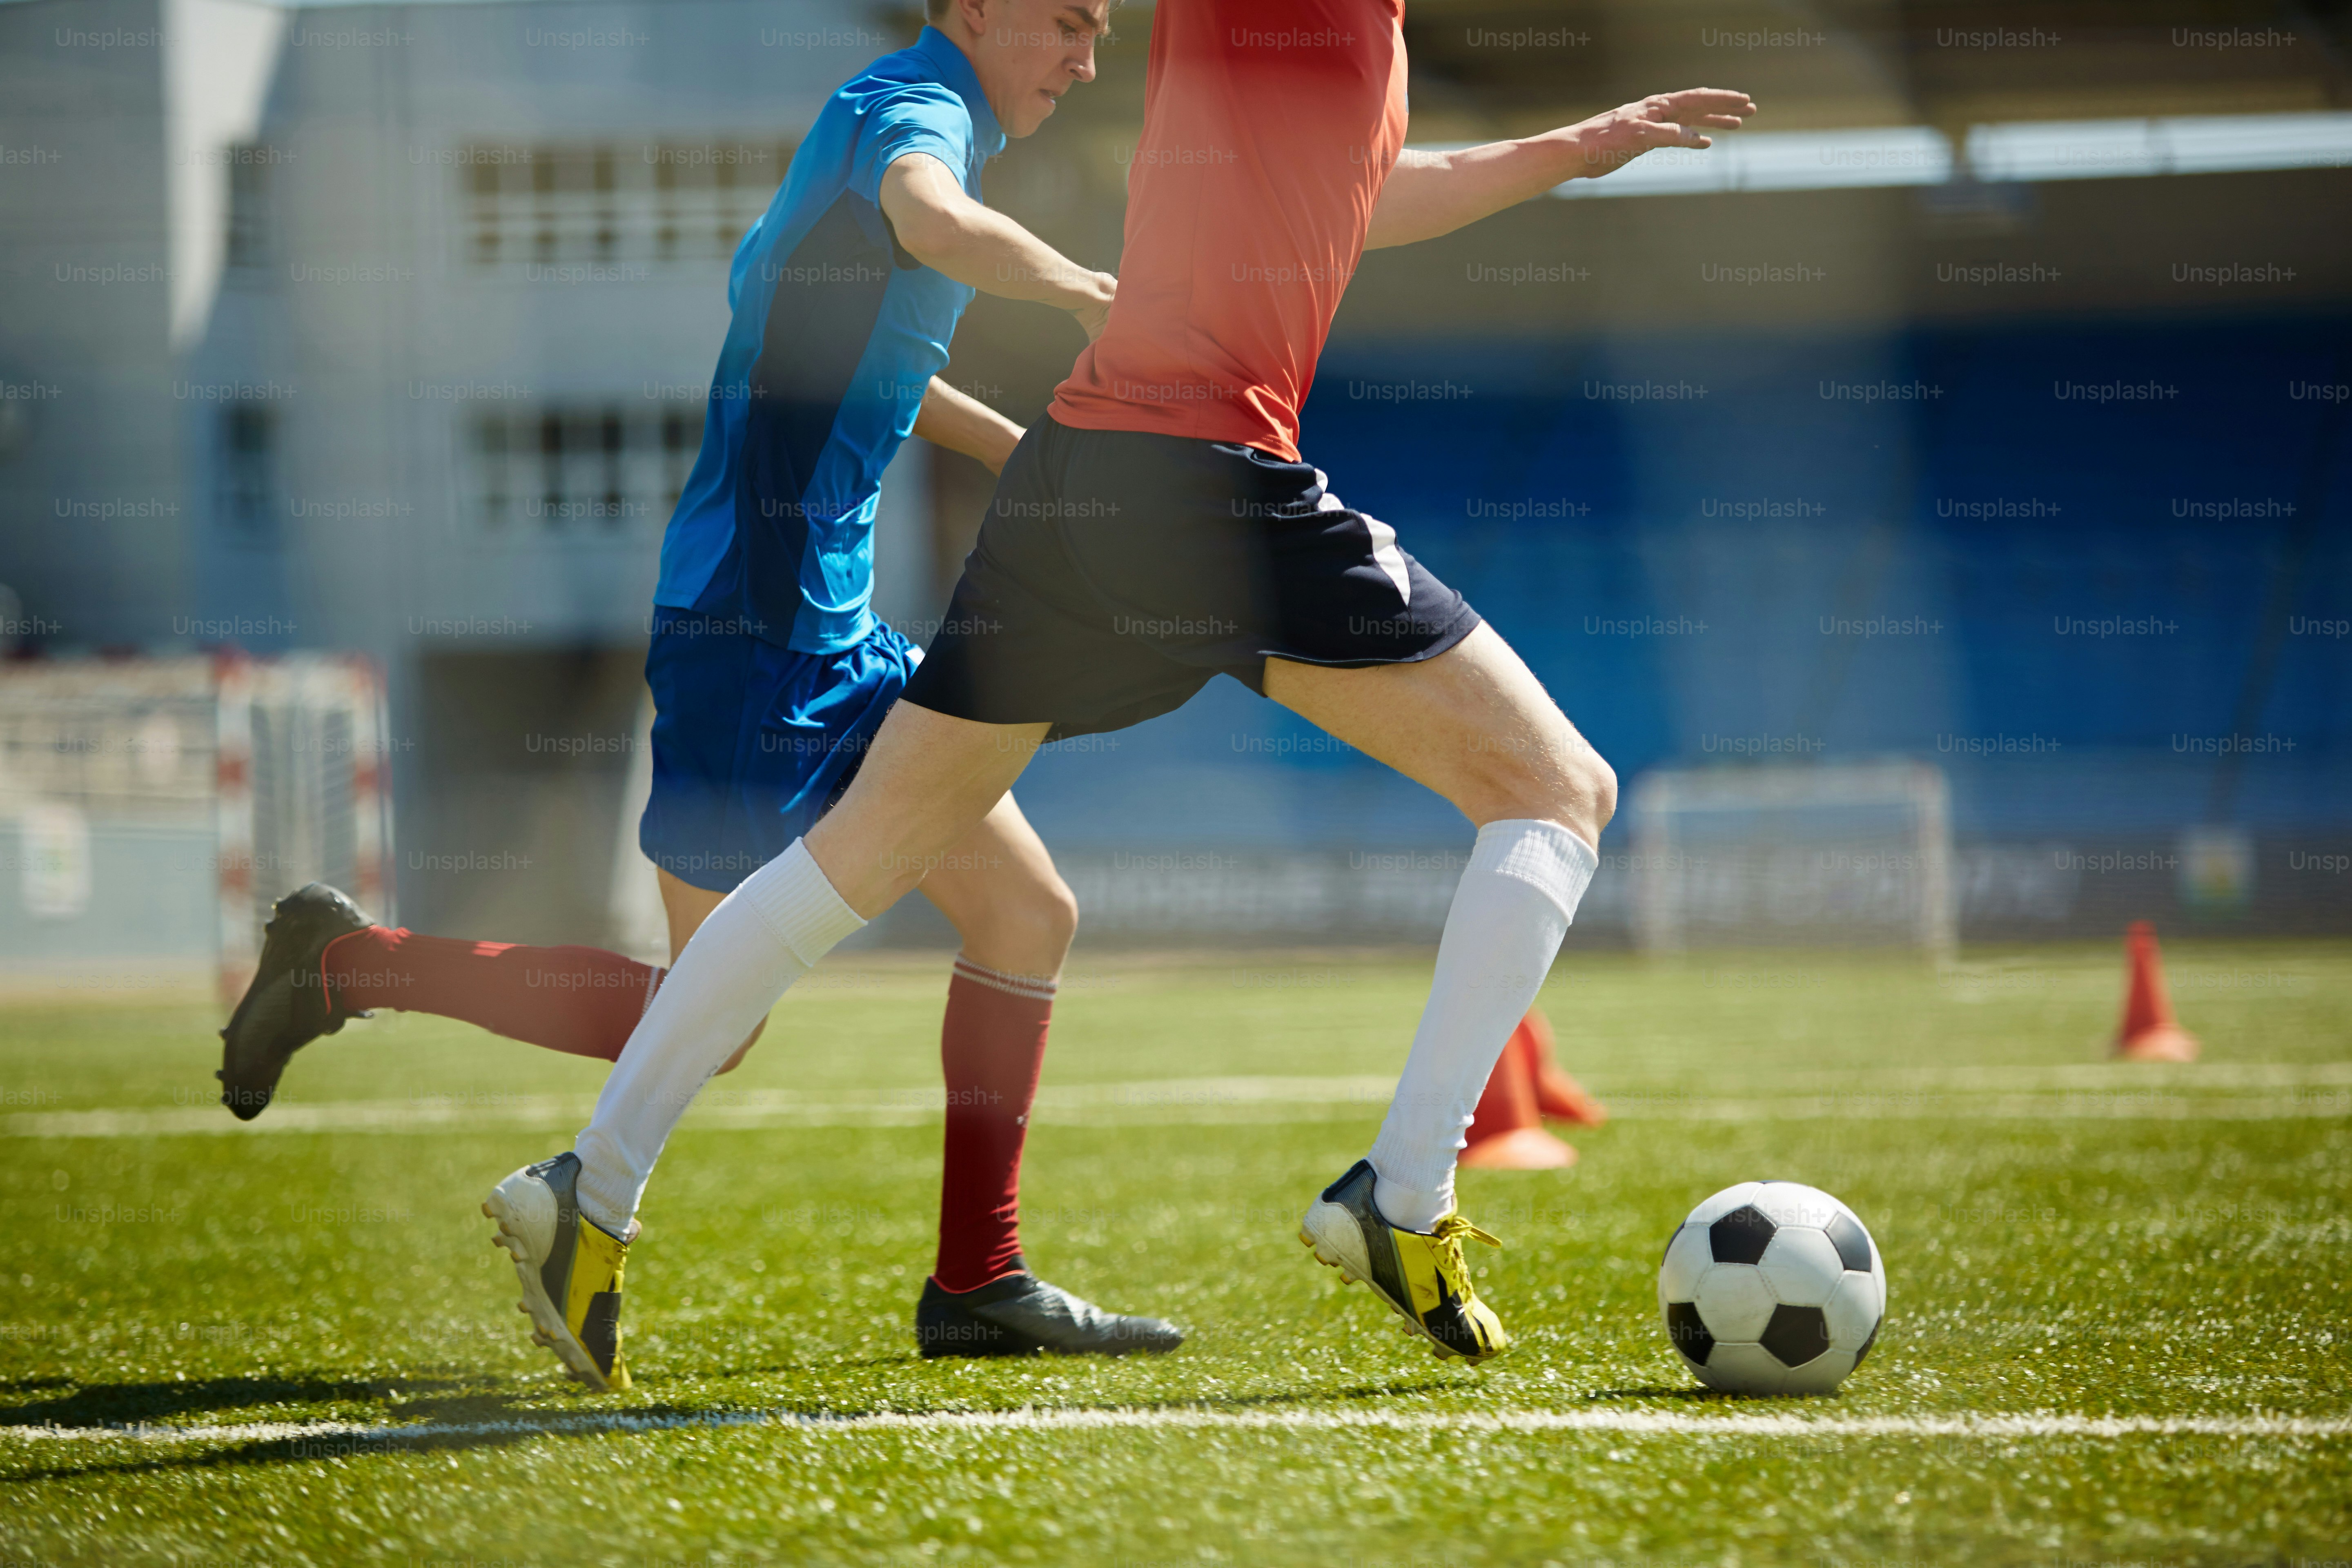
(569,1266)
(1419,1274)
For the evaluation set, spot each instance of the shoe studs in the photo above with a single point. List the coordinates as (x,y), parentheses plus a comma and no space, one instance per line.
(1327,1260)
(506,1240)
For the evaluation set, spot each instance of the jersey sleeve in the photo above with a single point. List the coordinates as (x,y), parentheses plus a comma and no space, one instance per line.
(920,117)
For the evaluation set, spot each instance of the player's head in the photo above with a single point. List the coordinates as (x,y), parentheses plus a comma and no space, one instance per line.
(1026,53)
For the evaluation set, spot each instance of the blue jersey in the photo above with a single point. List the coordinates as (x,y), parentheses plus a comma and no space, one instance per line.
(836,333)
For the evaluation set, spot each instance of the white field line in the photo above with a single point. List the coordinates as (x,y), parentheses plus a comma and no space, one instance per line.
(345,1437)
(2067,1092)
(2087,1075)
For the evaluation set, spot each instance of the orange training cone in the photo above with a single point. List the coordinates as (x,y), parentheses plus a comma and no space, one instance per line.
(2148,1033)
(1560,1097)
(1507,1133)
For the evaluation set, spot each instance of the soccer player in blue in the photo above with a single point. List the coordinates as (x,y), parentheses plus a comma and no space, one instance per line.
(771,673)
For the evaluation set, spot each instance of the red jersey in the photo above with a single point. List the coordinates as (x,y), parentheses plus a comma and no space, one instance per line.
(1268,129)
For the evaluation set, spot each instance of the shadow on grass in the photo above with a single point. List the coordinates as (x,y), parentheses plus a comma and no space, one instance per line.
(454,1415)
(515,1424)
(132,1404)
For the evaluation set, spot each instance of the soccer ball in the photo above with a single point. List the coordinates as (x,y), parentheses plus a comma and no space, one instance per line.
(1772,1288)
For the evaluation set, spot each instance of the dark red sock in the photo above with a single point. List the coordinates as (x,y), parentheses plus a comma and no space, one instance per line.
(992,1044)
(582,1000)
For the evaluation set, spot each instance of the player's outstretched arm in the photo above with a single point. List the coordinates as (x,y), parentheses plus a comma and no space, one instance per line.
(947,231)
(966,425)
(1430,194)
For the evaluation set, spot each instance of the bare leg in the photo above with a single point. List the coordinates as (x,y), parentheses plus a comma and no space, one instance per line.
(1474,724)
(997,885)
(1017,917)
(999,889)
(928,782)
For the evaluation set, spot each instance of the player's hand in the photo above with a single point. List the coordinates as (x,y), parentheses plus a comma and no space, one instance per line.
(1095,314)
(1683,118)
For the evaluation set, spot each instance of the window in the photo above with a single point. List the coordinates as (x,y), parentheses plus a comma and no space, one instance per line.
(249,463)
(582,470)
(614,201)
(248,204)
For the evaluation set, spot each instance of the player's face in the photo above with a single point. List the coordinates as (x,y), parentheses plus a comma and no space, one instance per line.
(1035,50)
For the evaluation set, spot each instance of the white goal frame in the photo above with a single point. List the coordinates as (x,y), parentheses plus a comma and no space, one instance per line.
(159,807)
(1669,878)
(301,745)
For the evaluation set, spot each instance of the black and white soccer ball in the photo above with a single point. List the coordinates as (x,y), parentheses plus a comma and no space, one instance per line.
(1772,1288)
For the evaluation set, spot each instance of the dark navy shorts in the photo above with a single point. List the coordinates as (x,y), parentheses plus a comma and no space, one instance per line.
(1117,571)
(751,742)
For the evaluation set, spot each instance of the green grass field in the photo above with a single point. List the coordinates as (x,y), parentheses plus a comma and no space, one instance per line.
(2066,1239)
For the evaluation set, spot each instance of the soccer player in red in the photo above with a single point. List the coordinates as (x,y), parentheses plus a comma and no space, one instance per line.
(1158,527)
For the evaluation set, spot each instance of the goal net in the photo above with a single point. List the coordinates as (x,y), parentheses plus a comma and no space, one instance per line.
(153,810)
(1819,855)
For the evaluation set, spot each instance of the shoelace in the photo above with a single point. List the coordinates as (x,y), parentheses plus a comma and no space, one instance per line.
(1453,1227)
(1448,1232)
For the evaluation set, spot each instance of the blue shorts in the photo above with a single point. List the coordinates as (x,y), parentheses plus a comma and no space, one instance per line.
(751,742)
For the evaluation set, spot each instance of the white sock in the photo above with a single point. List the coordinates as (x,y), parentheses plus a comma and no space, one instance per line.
(764,936)
(1510,911)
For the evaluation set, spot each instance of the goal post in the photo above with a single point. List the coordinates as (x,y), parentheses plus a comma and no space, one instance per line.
(1826,853)
(301,792)
(153,809)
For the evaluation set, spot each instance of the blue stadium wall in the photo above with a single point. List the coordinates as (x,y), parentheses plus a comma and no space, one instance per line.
(2100,573)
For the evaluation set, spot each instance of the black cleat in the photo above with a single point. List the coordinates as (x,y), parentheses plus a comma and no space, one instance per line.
(1021,1315)
(287,1007)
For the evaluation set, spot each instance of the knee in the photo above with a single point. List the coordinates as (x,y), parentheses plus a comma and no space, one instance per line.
(1582,797)
(1026,928)
(1568,782)
(1599,785)
(1051,915)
